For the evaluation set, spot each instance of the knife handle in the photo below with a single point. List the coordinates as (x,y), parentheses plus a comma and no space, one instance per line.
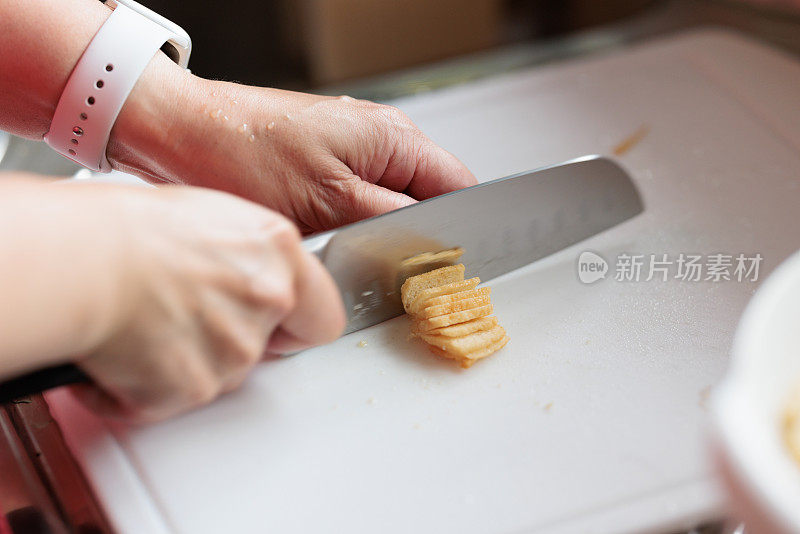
(41,380)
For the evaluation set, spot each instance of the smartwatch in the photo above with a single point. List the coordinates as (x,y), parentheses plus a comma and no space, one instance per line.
(104,77)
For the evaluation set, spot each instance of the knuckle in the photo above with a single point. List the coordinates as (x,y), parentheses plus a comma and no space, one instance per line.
(369,104)
(391,114)
(253,353)
(338,188)
(245,352)
(273,290)
(332,194)
(284,299)
(400,118)
(284,234)
(398,125)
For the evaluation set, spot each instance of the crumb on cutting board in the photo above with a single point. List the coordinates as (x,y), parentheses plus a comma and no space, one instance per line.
(702,401)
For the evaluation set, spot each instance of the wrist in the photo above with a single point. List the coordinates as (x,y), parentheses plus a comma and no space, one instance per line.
(149,130)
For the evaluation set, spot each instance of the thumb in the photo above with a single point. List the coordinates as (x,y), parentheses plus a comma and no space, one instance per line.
(436,171)
(367,200)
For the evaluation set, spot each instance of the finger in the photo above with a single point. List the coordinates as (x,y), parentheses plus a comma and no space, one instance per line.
(318,315)
(433,171)
(282,342)
(370,200)
(361,200)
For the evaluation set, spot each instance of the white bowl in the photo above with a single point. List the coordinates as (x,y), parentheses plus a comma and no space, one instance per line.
(748,406)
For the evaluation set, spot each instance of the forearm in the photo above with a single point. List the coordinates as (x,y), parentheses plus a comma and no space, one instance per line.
(45,40)
(61,272)
(41,41)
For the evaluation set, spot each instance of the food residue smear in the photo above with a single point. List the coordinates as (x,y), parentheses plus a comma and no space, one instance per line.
(791,425)
(631,141)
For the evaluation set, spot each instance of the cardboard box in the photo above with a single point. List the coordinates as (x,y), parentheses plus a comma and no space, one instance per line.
(351,38)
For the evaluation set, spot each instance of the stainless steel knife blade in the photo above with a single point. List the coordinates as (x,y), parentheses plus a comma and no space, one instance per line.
(502,225)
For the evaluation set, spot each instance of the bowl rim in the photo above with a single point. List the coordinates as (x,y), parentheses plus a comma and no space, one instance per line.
(732,415)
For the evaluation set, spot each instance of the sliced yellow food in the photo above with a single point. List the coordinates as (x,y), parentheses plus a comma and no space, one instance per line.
(453,297)
(431,293)
(467,360)
(466,344)
(438,277)
(462,329)
(449,313)
(452,307)
(453,318)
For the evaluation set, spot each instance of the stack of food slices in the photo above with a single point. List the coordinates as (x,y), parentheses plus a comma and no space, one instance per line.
(452,315)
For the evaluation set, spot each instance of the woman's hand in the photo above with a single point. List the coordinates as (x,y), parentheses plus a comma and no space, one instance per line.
(320,161)
(211,282)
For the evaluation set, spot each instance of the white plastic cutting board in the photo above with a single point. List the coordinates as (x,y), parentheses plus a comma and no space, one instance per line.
(592,419)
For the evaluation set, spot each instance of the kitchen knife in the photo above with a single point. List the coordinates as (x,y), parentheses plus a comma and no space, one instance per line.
(501,225)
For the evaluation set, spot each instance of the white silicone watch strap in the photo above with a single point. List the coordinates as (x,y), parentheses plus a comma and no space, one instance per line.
(100,84)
